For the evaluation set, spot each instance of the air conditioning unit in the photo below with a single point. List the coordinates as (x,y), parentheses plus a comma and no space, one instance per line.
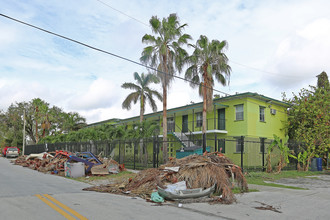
(273,111)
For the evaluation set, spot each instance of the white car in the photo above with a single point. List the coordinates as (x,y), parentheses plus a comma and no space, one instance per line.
(12,152)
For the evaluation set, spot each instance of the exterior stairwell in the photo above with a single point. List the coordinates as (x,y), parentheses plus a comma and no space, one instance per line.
(184,140)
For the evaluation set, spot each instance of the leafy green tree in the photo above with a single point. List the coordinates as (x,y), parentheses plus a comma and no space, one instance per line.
(302,159)
(322,80)
(207,63)
(143,93)
(167,55)
(12,127)
(309,121)
(41,121)
(40,117)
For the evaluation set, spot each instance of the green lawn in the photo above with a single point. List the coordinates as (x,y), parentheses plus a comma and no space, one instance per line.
(116,178)
(259,178)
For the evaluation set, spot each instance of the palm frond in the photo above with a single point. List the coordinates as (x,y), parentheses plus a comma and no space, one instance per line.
(155,24)
(184,39)
(151,102)
(133,97)
(131,86)
(139,78)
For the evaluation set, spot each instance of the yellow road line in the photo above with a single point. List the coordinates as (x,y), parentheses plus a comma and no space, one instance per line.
(66,215)
(65,207)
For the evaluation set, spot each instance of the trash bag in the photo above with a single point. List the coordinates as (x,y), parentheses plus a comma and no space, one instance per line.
(176,187)
(155,197)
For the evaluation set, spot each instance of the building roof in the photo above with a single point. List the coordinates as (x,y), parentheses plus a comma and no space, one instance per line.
(197,106)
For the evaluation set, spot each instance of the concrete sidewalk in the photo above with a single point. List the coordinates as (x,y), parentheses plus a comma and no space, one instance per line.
(277,203)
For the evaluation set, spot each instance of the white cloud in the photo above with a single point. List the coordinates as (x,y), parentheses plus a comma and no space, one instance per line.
(303,55)
(18,91)
(100,94)
(288,40)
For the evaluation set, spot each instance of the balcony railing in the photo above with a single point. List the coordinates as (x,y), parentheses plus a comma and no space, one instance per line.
(192,126)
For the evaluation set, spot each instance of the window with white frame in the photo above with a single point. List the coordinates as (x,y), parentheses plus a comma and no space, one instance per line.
(262,113)
(199,119)
(239,112)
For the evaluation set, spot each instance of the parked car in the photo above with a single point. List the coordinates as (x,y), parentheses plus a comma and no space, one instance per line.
(10,152)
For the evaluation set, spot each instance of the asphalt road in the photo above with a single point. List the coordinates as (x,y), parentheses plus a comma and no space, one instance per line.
(19,187)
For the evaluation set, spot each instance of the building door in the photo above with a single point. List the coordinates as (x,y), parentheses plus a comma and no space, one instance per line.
(170,124)
(184,123)
(221,119)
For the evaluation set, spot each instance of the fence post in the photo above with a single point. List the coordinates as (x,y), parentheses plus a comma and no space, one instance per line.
(215,143)
(134,149)
(153,153)
(242,151)
(119,152)
(157,151)
(263,153)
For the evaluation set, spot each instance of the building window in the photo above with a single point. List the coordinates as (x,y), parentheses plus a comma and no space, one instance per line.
(170,150)
(170,124)
(239,112)
(262,113)
(199,119)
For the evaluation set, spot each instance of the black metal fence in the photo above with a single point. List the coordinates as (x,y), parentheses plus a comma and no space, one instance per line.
(249,153)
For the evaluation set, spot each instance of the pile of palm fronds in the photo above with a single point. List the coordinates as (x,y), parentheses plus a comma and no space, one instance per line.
(196,170)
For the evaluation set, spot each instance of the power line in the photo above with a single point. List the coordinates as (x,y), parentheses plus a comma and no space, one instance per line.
(104,51)
(246,66)
(122,13)
(260,70)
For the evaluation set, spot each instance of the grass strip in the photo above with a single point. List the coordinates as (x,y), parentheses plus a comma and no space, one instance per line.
(263,178)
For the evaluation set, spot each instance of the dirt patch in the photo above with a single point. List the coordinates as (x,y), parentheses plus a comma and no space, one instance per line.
(267,207)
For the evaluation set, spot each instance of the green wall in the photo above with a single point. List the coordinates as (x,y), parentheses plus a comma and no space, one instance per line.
(250,127)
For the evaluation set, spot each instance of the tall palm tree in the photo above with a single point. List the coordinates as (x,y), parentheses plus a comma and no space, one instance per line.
(166,54)
(142,93)
(207,62)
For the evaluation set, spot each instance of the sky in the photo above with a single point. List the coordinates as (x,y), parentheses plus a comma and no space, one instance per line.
(274,46)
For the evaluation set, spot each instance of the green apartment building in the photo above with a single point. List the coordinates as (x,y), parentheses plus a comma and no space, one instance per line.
(249,116)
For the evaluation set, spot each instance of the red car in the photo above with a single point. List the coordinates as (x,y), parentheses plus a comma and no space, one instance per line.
(10,151)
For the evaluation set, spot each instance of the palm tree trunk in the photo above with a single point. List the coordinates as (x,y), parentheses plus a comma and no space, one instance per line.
(165,83)
(141,120)
(165,155)
(204,117)
(141,108)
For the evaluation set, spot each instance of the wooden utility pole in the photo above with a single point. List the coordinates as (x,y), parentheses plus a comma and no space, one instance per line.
(24,123)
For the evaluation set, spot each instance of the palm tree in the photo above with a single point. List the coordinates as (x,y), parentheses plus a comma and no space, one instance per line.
(142,93)
(207,62)
(72,121)
(166,54)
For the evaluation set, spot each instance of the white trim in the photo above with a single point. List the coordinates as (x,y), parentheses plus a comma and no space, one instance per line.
(209,131)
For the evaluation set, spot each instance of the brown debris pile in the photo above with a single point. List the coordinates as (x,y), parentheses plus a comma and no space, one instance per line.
(197,171)
(46,162)
(43,163)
